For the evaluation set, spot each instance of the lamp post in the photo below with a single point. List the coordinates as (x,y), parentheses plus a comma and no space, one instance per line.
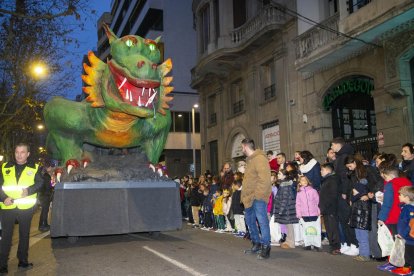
(193,137)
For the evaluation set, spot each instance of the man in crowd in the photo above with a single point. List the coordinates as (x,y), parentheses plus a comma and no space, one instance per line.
(407,165)
(227,178)
(255,196)
(19,183)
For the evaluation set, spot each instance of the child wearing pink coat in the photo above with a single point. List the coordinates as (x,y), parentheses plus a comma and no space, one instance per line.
(307,202)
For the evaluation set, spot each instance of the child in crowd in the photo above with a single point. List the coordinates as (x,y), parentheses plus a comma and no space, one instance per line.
(238,209)
(226,209)
(273,181)
(218,211)
(328,205)
(406,196)
(207,210)
(360,205)
(390,209)
(284,205)
(307,202)
(275,228)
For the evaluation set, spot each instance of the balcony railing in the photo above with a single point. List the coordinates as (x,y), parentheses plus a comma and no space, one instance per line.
(356,5)
(269,15)
(238,107)
(270,92)
(316,37)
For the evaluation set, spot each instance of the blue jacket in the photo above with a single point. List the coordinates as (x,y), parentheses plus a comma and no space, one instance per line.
(207,204)
(403,226)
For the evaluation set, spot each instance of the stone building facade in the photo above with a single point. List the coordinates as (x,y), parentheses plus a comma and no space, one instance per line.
(294,74)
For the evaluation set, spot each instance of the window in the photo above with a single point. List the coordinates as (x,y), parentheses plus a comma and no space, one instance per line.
(216,18)
(205,28)
(333,7)
(269,80)
(213,145)
(354,5)
(239,13)
(212,115)
(182,122)
(237,98)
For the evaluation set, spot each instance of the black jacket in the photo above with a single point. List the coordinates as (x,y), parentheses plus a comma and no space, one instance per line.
(329,195)
(196,197)
(341,170)
(284,203)
(236,205)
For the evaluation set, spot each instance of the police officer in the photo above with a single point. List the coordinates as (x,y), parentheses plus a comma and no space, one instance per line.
(19,182)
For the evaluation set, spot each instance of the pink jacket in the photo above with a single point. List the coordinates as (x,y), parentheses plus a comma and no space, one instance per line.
(307,202)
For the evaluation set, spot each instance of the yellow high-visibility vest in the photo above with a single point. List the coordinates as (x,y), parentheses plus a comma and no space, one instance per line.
(13,189)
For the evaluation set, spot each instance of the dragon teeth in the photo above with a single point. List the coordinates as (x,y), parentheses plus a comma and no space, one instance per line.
(122,84)
(139,101)
(127,95)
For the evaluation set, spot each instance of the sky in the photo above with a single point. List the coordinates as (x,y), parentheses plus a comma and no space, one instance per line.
(88,39)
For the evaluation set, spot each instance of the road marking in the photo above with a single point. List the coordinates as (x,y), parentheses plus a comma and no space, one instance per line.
(174,262)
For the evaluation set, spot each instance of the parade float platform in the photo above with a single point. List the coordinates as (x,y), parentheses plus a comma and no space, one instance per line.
(119,207)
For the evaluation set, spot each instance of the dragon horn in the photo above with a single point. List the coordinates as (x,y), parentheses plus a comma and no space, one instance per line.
(109,33)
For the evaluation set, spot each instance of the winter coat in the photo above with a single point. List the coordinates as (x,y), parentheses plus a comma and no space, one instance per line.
(284,203)
(218,206)
(227,180)
(256,181)
(307,202)
(226,206)
(407,166)
(390,209)
(274,166)
(207,204)
(312,170)
(375,181)
(403,226)
(341,170)
(196,197)
(236,205)
(360,210)
(329,195)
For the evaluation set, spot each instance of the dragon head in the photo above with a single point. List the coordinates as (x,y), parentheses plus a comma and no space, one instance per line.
(138,85)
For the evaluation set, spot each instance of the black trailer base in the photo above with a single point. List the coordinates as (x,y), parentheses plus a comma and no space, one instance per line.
(107,208)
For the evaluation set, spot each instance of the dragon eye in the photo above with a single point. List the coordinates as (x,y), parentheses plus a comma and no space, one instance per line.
(152,47)
(129,43)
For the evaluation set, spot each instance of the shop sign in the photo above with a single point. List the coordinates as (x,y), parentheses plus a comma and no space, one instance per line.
(271,139)
(359,85)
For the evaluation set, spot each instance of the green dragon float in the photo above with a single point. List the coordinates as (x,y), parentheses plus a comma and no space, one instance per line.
(127,104)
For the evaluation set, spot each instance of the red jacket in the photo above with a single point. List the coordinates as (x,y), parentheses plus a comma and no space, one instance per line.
(274,166)
(397,184)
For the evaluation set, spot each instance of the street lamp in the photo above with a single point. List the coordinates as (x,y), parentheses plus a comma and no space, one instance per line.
(193,137)
(39,70)
(40,127)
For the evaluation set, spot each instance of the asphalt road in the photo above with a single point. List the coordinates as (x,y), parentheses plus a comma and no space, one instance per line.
(185,252)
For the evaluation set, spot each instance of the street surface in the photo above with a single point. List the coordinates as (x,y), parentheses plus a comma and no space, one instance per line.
(186,252)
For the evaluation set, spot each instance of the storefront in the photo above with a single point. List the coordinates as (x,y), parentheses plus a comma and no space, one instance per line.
(353,113)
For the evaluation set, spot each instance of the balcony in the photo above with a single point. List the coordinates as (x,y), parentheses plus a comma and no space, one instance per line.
(268,16)
(338,39)
(317,37)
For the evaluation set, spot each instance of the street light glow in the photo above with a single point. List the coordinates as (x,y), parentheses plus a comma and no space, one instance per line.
(39,70)
(195,106)
(40,127)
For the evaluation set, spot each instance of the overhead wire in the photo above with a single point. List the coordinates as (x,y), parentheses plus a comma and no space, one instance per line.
(321,26)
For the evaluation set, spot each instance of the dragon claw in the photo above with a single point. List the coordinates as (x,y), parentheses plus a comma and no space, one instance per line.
(58,173)
(72,163)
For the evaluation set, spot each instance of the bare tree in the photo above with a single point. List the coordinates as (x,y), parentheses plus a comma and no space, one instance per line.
(32,31)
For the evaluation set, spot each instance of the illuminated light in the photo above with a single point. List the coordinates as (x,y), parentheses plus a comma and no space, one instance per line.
(195,106)
(180,115)
(39,70)
(152,47)
(40,127)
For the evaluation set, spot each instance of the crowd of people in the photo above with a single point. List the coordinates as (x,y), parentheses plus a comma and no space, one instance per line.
(347,196)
